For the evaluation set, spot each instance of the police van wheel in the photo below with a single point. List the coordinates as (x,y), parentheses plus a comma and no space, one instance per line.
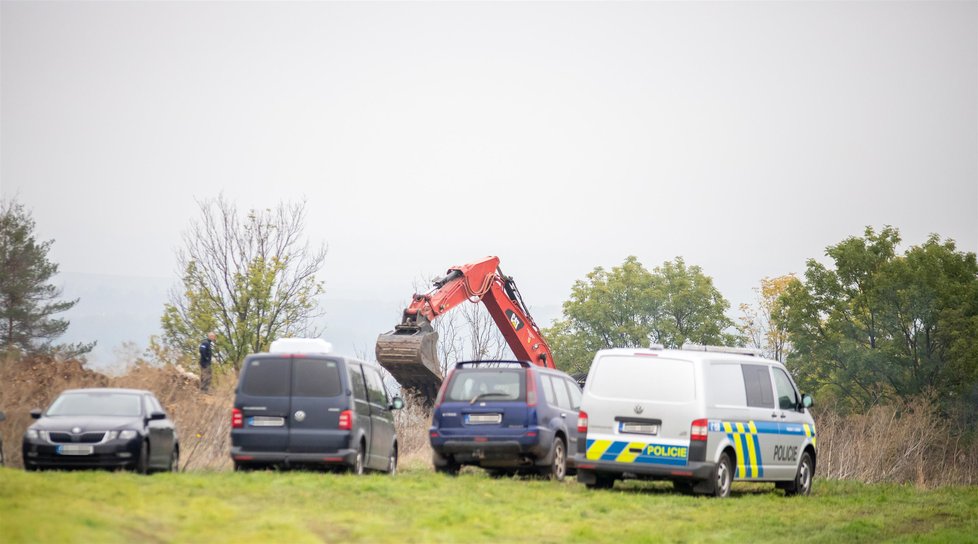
(802,485)
(723,477)
(601,482)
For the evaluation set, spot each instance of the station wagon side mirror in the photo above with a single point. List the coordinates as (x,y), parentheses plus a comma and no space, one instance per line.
(36,413)
(806,401)
(154,416)
(397,403)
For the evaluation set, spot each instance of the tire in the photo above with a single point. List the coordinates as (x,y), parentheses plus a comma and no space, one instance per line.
(174,460)
(142,464)
(357,468)
(601,482)
(558,465)
(723,477)
(683,486)
(392,462)
(451,468)
(802,484)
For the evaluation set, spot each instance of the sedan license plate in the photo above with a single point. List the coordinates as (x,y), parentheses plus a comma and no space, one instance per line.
(483,419)
(266,421)
(639,428)
(75,449)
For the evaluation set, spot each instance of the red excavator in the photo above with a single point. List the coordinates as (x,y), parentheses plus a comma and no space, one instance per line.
(409,351)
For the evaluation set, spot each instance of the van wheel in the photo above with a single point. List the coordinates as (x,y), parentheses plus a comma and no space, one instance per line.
(450,468)
(802,485)
(683,486)
(392,462)
(357,468)
(558,466)
(723,477)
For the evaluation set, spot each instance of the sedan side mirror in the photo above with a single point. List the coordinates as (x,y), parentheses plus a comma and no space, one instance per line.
(36,413)
(153,416)
(806,401)
(397,403)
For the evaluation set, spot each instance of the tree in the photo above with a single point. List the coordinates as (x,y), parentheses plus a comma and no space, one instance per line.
(629,306)
(28,301)
(763,326)
(251,279)
(883,326)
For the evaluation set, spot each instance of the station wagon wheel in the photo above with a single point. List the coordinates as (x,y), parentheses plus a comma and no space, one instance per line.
(558,467)
(803,480)
(724,477)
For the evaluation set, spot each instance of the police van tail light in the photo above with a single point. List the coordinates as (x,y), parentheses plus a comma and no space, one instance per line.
(582,421)
(531,388)
(237,419)
(346,420)
(698,430)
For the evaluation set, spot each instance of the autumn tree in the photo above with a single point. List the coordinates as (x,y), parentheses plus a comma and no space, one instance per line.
(28,299)
(630,306)
(878,325)
(249,277)
(763,325)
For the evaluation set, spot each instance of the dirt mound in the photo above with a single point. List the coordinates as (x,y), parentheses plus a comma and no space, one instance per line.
(201,419)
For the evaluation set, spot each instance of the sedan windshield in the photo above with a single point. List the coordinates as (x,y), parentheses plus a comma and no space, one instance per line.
(96,404)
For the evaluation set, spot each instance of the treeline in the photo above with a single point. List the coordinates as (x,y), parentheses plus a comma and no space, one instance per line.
(871,327)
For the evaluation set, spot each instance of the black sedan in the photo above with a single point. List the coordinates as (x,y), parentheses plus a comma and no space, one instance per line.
(109,428)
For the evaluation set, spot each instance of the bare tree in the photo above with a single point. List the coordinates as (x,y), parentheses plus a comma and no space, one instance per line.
(250,278)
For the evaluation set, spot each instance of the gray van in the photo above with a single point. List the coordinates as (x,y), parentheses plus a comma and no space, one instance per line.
(301,405)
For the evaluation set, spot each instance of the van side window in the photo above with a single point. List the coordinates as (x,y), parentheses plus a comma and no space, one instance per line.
(356,379)
(725,385)
(563,399)
(757,382)
(575,394)
(787,396)
(375,387)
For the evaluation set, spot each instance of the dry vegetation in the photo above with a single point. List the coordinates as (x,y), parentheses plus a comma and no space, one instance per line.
(906,444)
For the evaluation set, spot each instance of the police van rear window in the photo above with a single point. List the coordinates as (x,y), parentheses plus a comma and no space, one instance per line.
(655,379)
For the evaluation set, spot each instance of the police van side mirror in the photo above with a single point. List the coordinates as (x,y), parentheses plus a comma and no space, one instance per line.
(806,401)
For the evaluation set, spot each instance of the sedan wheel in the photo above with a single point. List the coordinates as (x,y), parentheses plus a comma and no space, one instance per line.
(142,464)
(392,463)
(175,460)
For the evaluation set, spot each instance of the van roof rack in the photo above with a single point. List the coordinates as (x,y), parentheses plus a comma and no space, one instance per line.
(492,363)
(722,349)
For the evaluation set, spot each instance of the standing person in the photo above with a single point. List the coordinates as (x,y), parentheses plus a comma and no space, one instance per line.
(206,353)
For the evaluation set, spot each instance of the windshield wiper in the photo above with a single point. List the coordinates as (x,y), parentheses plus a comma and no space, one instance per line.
(483,395)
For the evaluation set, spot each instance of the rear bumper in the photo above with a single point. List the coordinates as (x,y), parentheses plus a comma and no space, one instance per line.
(340,457)
(588,470)
(493,450)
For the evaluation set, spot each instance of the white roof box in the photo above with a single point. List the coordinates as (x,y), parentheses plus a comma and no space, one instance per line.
(300,345)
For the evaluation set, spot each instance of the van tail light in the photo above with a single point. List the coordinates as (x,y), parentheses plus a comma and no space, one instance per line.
(531,388)
(698,430)
(441,391)
(237,419)
(582,422)
(346,420)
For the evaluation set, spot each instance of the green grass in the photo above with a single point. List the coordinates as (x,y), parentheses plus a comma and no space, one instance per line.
(419,506)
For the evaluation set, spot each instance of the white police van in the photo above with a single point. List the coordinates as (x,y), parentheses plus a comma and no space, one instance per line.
(701,416)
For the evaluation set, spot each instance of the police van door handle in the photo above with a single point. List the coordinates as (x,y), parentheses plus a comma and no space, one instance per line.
(775,414)
(563,415)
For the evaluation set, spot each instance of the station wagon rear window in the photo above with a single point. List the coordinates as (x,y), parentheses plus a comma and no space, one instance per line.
(654,379)
(486,385)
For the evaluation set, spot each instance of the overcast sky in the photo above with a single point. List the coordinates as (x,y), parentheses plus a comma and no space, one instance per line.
(745,137)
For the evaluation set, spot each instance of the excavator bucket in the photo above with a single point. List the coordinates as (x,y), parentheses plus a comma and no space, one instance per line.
(410,355)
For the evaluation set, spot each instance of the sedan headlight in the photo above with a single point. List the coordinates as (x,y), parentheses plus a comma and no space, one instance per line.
(127,434)
(32,434)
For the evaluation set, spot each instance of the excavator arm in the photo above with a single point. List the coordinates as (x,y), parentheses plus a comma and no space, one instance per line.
(409,352)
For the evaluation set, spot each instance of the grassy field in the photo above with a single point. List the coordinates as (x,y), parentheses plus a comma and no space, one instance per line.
(419,506)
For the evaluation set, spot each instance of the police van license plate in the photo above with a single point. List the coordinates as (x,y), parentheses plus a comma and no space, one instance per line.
(266,421)
(638,428)
(483,419)
(75,449)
